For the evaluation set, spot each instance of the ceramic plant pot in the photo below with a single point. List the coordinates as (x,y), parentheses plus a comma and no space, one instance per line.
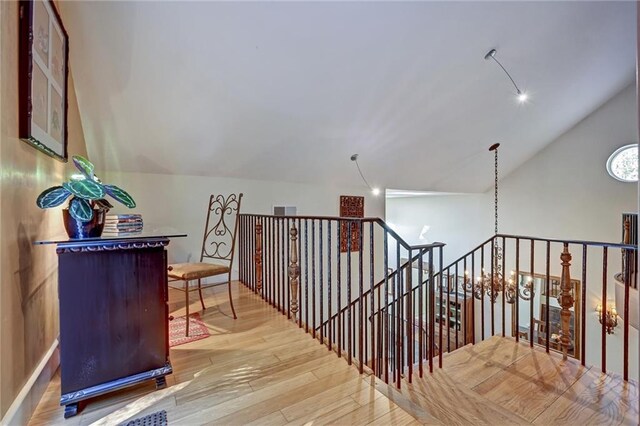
(79,230)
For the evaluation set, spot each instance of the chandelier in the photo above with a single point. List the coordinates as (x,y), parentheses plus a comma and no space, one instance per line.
(513,289)
(487,284)
(491,283)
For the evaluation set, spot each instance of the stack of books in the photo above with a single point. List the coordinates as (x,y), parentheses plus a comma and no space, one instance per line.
(119,224)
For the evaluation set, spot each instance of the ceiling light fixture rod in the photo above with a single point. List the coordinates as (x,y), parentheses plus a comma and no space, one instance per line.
(354,157)
(375,191)
(492,55)
(522,96)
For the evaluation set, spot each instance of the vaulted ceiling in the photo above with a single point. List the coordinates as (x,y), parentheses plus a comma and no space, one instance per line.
(288,91)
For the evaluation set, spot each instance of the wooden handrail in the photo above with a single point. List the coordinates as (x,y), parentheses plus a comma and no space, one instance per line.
(377,220)
(576,242)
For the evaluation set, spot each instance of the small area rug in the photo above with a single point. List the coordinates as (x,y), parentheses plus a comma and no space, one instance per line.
(177,328)
(155,419)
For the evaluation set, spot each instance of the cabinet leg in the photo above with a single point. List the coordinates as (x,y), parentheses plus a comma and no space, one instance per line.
(161,382)
(70,410)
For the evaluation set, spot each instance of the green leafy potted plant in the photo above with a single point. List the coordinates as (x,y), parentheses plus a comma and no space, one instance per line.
(85,214)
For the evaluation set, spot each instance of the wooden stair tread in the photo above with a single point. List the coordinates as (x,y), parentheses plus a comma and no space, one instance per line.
(532,383)
(595,398)
(474,364)
(437,391)
(429,400)
(501,381)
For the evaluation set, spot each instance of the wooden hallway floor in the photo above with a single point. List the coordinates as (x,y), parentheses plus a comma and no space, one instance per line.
(261,369)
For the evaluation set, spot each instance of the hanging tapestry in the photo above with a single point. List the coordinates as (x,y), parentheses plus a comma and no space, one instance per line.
(350,206)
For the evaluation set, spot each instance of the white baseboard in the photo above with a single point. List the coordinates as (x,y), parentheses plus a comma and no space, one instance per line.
(27,400)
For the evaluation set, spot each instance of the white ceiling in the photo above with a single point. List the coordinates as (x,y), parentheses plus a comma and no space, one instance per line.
(288,91)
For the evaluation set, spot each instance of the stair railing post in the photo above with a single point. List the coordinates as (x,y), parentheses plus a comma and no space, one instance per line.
(565,299)
(258,258)
(294,270)
(626,239)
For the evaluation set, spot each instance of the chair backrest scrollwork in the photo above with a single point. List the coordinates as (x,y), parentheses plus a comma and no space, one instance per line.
(221,227)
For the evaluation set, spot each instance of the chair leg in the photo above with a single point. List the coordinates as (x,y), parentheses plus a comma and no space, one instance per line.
(231,298)
(186,297)
(200,292)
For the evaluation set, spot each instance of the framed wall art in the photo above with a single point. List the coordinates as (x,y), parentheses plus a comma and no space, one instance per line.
(43,78)
(350,206)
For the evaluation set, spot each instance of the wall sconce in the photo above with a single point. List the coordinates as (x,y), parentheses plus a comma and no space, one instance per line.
(608,318)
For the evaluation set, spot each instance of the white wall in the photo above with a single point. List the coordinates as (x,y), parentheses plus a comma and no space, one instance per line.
(563,192)
(459,220)
(180,202)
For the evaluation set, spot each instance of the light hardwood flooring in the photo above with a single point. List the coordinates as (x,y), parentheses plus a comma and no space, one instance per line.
(262,370)
(499,381)
(259,369)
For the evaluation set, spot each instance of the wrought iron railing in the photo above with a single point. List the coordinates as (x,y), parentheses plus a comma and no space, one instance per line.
(545,291)
(376,306)
(334,275)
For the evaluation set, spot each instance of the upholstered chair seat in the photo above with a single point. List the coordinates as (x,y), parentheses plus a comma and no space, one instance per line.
(193,271)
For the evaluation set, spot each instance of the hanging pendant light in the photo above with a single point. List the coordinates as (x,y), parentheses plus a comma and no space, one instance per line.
(493,282)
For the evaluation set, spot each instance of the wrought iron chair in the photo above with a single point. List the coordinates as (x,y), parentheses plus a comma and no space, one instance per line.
(218,245)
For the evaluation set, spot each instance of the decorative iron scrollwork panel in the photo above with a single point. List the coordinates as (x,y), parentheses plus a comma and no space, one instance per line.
(218,239)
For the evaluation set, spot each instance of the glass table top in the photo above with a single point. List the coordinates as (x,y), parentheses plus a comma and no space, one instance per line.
(151,233)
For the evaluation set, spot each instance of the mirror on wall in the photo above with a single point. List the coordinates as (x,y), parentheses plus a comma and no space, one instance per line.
(545,302)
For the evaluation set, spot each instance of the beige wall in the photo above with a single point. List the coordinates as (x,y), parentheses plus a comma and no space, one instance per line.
(28,274)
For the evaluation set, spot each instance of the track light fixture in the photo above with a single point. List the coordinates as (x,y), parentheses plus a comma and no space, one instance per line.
(520,95)
(374,190)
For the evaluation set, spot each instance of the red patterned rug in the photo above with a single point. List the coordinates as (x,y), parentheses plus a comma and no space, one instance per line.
(177,328)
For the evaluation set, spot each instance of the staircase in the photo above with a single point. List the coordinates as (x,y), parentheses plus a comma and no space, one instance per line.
(465,342)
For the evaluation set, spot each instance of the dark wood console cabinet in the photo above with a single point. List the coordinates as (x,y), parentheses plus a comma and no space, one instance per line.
(113,315)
